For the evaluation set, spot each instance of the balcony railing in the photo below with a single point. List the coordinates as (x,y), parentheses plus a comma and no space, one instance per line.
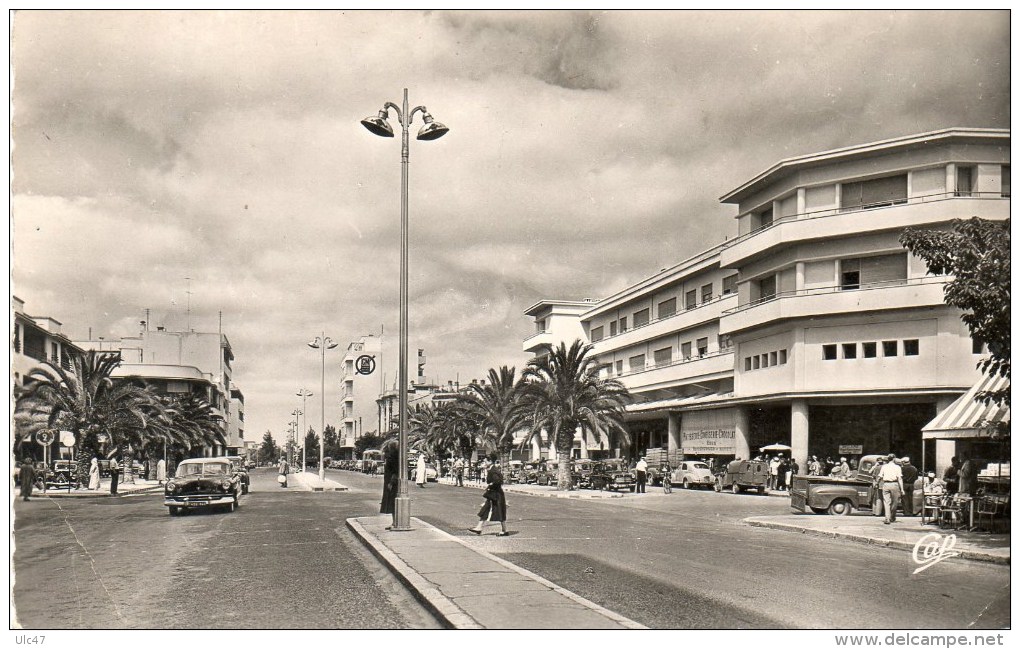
(678,313)
(536,335)
(834,211)
(825,290)
(650,366)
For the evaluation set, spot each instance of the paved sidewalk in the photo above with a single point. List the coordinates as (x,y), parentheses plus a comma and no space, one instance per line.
(468,588)
(123,489)
(904,534)
(309,481)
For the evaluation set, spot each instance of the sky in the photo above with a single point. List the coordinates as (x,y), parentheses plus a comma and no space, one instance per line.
(215,159)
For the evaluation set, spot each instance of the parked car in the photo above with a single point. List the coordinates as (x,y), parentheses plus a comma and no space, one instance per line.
(691,474)
(242,472)
(61,475)
(582,470)
(546,473)
(203,482)
(743,474)
(840,496)
(515,472)
(612,475)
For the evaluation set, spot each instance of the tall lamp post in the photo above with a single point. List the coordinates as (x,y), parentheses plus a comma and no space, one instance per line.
(297,434)
(304,394)
(431,130)
(322,343)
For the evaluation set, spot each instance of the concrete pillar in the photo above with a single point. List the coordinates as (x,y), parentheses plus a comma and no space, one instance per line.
(536,448)
(799,432)
(799,278)
(945,449)
(584,445)
(673,443)
(801,201)
(951,178)
(741,430)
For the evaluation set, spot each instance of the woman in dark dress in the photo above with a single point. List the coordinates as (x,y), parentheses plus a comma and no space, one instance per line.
(27,477)
(494,508)
(391,468)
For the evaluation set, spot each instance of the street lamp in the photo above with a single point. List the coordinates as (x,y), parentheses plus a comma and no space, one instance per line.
(323,343)
(297,434)
(431,130)
(304,394)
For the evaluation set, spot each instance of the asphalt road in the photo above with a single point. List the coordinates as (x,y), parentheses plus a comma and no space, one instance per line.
(687,561)
(283,560)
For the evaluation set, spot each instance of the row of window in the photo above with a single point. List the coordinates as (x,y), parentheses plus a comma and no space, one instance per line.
(663,357)
(665,309)
(767,359)
(850,351)
(854,272)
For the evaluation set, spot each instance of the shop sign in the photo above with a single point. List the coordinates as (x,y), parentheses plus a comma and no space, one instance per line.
(707,442)
(851,449)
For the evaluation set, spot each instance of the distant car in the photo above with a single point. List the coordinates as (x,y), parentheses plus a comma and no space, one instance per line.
(740,475)
(582,470)
(612,475)
(693,474)
(546,473)
(250,465)
(242,472)
(516,472)
(61,475)
(203,482)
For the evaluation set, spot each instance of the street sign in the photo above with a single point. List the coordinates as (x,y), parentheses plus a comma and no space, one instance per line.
(364,365)
(45,437)
(67,438)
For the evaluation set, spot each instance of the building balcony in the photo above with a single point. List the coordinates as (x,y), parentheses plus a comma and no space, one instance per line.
(834,300)
(534,341)
(835,222)
(705,312)
(711,366)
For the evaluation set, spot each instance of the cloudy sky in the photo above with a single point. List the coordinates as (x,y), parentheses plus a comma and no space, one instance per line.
(586,151)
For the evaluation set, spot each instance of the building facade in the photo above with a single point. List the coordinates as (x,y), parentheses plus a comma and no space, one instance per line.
(37,339)
(812,327)
(359,391)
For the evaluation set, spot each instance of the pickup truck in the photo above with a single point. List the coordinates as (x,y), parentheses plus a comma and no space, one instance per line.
(836,496)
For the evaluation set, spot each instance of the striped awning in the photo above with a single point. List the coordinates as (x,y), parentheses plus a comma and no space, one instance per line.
(967,417)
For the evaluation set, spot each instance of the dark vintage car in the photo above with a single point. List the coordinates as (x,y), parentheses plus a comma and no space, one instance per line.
(740,475)
(582,470)
(241,469)
(203,482)
(611,475)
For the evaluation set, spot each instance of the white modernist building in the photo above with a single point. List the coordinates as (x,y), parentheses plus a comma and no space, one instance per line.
(812,327)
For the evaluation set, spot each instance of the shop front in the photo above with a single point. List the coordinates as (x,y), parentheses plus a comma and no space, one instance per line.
(709,435)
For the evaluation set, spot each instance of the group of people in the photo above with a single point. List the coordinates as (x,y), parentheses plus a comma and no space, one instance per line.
(30,475)
(781,471)
(493,508)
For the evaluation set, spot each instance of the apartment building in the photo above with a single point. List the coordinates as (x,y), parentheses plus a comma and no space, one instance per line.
(359,391)
(37,339)
(812,327)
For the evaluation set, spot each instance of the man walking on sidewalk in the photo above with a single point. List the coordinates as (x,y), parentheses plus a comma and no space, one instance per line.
(891,478)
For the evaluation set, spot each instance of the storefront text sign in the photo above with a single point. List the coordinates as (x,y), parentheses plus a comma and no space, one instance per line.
(712,442)
(851,449)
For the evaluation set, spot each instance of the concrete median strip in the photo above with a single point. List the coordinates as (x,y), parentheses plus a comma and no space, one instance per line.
(469,588)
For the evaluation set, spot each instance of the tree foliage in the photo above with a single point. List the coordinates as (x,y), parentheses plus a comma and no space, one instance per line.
(269,451)
(367,441)
(496,410)
(976,253)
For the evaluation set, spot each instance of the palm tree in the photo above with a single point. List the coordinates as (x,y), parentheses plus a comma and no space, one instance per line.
(566,394)
(194,422)
(496,410)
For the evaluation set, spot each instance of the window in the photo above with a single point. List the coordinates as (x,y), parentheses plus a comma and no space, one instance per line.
(623,324)
(747,363)
(767,288)
(964,181)
(664,356)
(619,367)
(54,352)
(612,328)
(764,360)
(540,326)
(773,358)
(667,308)
(828,352)
(725,342)
(755,362)
(729,285)
(685,351)
(702,345)
(849,350)
(691,299)
(641,318)
(17,339)
(889,348)
(782,357)
(849,274)
(706,293)
(765,218)
(596,334)
(869,350)
(1005,181)
(637,363)
(890,190)
(911,347)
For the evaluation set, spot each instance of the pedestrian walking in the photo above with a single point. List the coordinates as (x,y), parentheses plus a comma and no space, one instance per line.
(27,477)
(458,471)
(391,478)
(909,477)
(641,469)
(114,475)
(877,507)
(161,471)
(667,478)
(94,475)
(891,478)
(284,470)
(494,507)
(419,475)
(774,471)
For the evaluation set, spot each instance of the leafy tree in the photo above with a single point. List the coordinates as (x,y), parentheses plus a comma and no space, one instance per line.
(269,451)
(331,440)
(312,446)
(496,410)
(976,253)
(565,393)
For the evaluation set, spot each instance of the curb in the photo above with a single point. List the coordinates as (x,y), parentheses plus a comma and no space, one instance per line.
(304,485)
(971,555)
(97,494)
